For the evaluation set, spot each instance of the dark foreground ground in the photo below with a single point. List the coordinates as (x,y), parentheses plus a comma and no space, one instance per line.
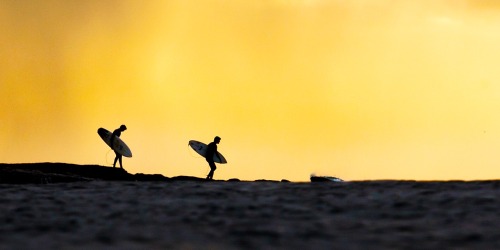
(46,173)
(184,214)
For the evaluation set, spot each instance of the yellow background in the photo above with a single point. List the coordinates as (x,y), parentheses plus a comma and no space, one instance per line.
(354,89)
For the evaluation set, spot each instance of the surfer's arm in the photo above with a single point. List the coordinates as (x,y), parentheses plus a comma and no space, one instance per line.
(216,153)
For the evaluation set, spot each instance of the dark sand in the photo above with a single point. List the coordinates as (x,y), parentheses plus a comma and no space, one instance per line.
(176,213)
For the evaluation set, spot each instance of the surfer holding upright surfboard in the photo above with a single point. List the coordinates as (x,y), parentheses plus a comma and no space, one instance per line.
(117,133)
(209,156)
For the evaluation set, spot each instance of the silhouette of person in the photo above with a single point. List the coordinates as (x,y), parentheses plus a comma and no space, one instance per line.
(117,133)
(209,156)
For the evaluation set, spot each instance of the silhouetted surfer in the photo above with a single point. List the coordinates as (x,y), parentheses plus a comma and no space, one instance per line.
(209,155)
(117,133)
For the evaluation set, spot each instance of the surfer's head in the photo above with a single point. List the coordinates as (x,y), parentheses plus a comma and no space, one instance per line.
(123,127)
(217,139)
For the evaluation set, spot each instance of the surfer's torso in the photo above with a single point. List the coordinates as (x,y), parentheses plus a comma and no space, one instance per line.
(116,133)
(211,149)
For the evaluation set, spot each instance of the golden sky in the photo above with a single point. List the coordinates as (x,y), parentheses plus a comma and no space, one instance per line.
(355,89)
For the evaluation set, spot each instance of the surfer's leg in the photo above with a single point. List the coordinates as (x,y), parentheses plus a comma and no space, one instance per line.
(209,176)
(212,170)
(209,173)
(120,158)
(116,159)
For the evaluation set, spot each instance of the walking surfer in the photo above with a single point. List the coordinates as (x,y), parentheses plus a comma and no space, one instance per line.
(209,156)
(117,133)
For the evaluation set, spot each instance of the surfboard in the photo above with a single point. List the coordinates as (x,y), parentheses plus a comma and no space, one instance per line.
(201,149)
(325,179)
(118,145)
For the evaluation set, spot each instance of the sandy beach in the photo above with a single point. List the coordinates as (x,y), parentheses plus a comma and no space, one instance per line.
(191,214)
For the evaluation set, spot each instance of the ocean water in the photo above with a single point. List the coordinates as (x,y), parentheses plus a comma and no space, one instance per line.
(251,215)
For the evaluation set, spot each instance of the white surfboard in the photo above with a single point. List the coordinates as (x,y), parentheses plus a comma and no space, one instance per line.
(325,179)
(118,145)
(201,149)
